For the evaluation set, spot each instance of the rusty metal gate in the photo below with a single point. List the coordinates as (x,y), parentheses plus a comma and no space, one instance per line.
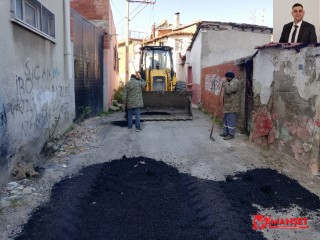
(88,62)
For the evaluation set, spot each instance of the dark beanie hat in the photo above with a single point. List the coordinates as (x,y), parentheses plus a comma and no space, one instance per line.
(229,75)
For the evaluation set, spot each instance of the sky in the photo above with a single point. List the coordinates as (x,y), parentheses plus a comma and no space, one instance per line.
(143,16)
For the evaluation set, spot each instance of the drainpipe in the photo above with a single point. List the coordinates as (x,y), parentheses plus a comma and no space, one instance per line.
(67,40)
(105,72)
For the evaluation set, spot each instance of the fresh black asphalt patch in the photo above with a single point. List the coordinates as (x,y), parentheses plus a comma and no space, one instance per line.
(143,199)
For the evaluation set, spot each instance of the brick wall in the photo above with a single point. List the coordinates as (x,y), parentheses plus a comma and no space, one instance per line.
(211,80)
(92,9)
(98,13)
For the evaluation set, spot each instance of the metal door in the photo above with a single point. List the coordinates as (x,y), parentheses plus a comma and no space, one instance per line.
(88,61)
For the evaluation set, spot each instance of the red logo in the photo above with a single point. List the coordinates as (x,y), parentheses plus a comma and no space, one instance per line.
(261,222)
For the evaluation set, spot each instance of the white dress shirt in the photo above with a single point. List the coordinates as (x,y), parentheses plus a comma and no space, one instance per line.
(298,30)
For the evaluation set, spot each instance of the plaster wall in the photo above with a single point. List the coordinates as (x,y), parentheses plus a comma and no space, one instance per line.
(263,70)
(228,45)
(282,15)
(193,60)
(112,73)
(183,42)
(287,102)
(35,92)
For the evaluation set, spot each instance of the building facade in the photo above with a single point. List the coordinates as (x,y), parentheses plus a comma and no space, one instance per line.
(215,43)
(36,83)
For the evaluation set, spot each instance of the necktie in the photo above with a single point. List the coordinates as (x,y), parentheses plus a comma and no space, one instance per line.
(293,37)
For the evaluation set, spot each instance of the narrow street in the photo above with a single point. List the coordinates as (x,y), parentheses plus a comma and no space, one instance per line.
(169,181)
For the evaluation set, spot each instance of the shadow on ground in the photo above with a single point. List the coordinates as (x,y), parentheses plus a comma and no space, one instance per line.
(140,198)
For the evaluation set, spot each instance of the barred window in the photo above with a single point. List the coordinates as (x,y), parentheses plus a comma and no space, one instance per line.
(33,15)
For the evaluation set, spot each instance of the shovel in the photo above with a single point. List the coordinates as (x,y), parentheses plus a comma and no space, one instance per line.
(211,133)
(214,119)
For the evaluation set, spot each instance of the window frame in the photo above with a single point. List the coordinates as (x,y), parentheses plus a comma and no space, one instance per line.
(34,16)
(48,32)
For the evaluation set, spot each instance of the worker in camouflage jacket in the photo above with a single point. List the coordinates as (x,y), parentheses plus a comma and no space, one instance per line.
(231,89)
(132,97)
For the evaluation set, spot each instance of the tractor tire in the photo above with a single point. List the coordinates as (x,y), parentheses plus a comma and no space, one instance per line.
(180,86)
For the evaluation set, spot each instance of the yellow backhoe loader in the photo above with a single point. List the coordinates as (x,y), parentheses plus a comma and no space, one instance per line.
(164,97)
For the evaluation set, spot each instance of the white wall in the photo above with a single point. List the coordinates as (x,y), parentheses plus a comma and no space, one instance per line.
(179,69)
(282,15)
(263,69)
(194,59)
(227,45)
(34,88)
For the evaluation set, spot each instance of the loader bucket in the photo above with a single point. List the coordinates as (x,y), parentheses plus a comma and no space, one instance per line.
(162,106)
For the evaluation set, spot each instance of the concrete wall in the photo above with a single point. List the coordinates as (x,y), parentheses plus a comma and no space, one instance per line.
(227,45)
(287,103)
(35,92)
(194,60)
(282,15)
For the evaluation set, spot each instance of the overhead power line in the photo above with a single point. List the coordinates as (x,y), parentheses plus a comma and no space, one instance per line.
(127,31)
(152,2)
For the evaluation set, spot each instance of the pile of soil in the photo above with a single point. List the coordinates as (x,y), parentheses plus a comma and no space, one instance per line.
(141,198)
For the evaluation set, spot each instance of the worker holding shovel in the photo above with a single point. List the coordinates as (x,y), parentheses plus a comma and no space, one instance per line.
(231,99)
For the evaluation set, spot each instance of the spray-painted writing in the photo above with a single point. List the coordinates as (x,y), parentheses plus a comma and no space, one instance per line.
(213,83)
(3,116)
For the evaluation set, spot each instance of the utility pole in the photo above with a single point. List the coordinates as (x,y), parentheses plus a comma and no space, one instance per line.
(127,45)
(128,33)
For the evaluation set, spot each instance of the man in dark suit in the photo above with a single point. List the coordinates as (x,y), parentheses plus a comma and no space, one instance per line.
(298,31)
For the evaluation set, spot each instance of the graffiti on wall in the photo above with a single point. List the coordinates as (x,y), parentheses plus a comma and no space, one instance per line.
(40,97)
(4,145)
(213,83)
(3,115)
(34,76)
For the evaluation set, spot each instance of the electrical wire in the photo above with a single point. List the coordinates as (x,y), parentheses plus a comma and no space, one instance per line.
(114,6)
(136,8)
(139,12)
(146,2)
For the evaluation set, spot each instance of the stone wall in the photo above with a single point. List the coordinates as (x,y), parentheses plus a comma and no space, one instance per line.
(286,113)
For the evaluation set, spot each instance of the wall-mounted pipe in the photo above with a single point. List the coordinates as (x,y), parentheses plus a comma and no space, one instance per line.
(67,41)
